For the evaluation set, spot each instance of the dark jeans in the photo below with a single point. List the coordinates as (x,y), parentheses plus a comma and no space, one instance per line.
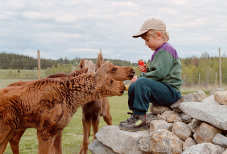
(145,91)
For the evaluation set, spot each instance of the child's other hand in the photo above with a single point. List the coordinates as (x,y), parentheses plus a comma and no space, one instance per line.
(142,68)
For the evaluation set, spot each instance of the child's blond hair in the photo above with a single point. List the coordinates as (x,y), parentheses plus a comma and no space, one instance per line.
(151,33)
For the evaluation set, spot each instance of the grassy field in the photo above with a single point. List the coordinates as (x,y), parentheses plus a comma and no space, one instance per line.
(72,134)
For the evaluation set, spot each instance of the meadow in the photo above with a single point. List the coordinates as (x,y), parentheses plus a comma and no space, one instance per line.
(72,134)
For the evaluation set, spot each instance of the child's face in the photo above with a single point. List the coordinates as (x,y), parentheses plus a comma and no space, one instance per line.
(153,42)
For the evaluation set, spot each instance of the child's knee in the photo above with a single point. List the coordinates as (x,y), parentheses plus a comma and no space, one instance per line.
(144,81)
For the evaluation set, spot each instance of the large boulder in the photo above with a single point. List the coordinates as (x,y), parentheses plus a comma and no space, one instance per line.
(120,141)
(204,148)
(161,142)
(212,113)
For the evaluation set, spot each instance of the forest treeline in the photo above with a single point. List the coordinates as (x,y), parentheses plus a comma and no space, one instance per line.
(202,70)
(16,61)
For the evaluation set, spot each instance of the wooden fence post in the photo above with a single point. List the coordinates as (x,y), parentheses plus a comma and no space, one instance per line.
(220,69)
(38,61)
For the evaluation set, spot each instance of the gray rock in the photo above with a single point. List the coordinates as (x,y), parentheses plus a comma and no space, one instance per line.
(221,97)
(158,109)
(188,143)
(161,142)
(214,114)
(159,124)
(225,152)
(97,147)
(169,116)
(182,130)
(204,148)
(150,117)
(205,133)
(185,118)
(120,141)
(221,140)
(194,124)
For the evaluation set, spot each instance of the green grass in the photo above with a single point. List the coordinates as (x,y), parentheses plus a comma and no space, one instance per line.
(72,134)
(20,74)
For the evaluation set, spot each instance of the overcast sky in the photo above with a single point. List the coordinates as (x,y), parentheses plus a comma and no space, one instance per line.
(80,28)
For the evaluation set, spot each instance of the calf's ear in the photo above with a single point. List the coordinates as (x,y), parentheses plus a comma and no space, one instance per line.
(99,61)
(81,64)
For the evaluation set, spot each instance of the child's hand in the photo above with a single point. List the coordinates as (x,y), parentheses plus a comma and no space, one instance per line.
(142,68)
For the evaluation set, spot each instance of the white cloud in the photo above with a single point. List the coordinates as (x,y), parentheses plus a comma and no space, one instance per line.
(82,27)
(36,15)
(82,50)
(180,2)
(124,4)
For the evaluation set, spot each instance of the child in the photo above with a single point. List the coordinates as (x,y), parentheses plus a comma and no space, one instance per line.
(160,80)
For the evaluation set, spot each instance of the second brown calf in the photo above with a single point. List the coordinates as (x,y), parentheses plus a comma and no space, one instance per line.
(92,111)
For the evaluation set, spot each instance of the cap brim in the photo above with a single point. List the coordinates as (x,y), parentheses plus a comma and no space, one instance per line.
(139,34)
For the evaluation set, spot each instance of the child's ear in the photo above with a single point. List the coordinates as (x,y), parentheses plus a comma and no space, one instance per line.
(159,34)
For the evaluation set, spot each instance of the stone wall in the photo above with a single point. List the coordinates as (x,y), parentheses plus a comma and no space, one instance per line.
(198,126)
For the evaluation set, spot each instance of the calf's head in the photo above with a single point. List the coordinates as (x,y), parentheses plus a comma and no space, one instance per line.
(107,84)
(119,73)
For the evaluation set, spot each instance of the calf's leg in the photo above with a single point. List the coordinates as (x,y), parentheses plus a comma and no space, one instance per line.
(5,135)
(106,112)
(15,140)
(86,133)
(46,143)
(58,143)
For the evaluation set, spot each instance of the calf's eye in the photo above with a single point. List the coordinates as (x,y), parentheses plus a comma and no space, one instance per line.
(114,69)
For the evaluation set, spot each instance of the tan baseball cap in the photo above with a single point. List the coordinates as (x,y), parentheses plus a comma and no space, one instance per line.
(149,24)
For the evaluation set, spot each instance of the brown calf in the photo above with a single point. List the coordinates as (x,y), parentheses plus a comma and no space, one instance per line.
(48,105)
(14,141)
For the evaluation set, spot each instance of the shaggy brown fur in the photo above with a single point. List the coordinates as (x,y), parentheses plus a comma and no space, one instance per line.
(14,141)
(100,107)
(49,104)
